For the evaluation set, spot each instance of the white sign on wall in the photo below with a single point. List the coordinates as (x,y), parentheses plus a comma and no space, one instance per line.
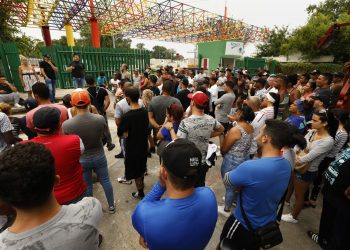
(234,49)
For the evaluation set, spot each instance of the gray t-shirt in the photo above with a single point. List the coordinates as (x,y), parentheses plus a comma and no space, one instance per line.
(158,106)
(198,129)
(224,106)
(90,128)
(74,227)
(5,126)
(123,107)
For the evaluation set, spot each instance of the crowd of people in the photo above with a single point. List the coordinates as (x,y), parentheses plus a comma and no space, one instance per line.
(280,137)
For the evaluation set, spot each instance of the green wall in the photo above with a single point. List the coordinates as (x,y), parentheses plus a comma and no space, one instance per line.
(214,51)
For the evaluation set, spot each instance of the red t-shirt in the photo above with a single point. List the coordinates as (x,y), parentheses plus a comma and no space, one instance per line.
(66,151)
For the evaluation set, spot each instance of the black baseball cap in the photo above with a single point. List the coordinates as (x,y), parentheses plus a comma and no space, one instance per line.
(185,81)
(260,80)
(322,98)
(315,72)
(46,119)
(182,158)
(47,56)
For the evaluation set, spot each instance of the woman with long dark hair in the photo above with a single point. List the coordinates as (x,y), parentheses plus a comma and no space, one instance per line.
(320,142)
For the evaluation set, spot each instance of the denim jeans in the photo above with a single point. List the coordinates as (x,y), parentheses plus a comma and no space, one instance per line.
(78,82)
(51,84)
(229,163)
(98,163)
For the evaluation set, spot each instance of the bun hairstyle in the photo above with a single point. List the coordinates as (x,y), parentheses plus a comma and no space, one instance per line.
(247,114)
(276,103)
(295,138)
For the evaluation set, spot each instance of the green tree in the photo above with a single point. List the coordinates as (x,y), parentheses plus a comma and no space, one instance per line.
(61,41)
(159,52)
(272,47)
(140,46)
(106,41)
(8,29)
(331,8)
(304,39)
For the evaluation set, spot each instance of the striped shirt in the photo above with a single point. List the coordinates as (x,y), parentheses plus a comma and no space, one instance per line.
(269,112)
(339,141)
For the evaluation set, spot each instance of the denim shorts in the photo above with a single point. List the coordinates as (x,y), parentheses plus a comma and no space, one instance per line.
(307,176)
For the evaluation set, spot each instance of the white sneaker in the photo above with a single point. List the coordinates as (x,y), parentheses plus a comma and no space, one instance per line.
(18,106)
(221,210)
(289,218)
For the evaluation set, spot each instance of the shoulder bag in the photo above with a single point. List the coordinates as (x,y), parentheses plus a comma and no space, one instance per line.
(269,235)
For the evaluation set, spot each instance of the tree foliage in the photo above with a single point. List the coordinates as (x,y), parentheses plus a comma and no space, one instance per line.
(140,46)
(305,38)
(161,52)
(272,47)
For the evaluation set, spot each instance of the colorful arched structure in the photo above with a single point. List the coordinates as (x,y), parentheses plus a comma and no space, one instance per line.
(166,20)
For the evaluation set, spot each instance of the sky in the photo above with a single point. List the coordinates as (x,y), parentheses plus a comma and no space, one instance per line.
(263,13)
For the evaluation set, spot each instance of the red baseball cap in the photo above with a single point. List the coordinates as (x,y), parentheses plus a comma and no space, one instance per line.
(199,98)
(80,97)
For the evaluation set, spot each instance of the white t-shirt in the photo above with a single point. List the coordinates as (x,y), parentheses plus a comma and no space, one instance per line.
(114,83)
(214,92)
(257,123)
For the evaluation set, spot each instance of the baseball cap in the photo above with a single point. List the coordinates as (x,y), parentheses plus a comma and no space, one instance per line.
(315,72)
(80,97)
(182,158)
(299,104)
(47,56)
(199,98)
(185,81)
(46,119)
(322,98)
(339,74)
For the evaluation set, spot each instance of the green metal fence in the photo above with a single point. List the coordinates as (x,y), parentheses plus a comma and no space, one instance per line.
(9,63)
(105,60)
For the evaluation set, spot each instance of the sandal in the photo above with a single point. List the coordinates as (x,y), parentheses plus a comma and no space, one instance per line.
(313,236)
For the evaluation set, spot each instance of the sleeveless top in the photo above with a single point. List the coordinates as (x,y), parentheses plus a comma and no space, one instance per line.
(28,79)
(240,148)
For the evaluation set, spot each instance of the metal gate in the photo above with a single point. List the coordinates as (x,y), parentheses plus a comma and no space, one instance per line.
(9,63)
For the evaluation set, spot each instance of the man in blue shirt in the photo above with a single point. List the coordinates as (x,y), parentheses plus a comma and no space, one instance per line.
(262,183)
(186,218)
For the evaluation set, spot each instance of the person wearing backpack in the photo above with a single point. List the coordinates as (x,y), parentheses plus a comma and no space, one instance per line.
(100,99)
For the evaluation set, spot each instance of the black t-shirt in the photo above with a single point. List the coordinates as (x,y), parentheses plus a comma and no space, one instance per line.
(155,90)
(6,88)
(339,174)
(97,96)
(79,69)
(50,73)
(182,96)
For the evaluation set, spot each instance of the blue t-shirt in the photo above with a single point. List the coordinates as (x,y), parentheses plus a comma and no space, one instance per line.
(166,133)
(263,182)
(173,224)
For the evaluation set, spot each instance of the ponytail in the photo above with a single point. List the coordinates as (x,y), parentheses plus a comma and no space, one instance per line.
(276,103)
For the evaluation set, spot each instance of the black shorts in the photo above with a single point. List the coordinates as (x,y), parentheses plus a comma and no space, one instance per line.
(236,236)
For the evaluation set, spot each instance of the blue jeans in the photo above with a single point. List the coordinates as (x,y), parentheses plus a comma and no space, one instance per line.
(98,163)
(229,163)
(51,84)
(78,82)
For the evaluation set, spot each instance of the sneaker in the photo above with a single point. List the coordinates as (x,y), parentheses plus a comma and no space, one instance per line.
(152,150)
(111,147)
(149,155)
(100,239)
(111,209)
(289,218)
(313,236)
(137,196)
(119,156)
(124,181)
(222,211)
(18,106)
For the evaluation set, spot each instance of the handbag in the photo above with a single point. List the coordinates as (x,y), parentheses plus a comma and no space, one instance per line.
(269,235)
